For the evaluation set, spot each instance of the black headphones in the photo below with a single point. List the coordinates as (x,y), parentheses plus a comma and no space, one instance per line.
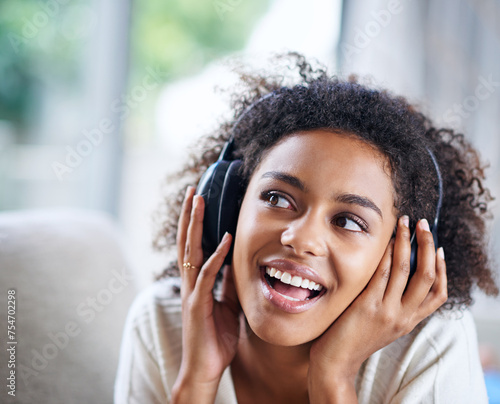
(222,189)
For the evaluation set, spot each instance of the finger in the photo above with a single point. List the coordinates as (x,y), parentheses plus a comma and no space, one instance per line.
(438,294)
(425,274)
(193,253)
(378,283)
(183,225)
(400,261)
(206,278)
(229,295)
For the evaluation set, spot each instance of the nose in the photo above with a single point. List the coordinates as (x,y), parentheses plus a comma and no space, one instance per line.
(305,235)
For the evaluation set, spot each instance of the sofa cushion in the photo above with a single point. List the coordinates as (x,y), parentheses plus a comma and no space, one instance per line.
(70,278)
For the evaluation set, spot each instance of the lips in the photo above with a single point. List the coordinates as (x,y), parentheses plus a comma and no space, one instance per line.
(291,287)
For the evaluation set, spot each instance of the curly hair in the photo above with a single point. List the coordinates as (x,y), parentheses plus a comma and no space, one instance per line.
(388,122)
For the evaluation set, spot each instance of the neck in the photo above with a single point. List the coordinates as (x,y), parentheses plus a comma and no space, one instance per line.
(277,373)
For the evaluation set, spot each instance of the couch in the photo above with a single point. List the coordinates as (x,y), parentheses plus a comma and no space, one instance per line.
(65,288)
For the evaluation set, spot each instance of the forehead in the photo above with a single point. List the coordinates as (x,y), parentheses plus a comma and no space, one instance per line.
(321,146)
(337,162)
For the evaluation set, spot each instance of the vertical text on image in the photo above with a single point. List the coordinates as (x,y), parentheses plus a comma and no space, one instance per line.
(11,342)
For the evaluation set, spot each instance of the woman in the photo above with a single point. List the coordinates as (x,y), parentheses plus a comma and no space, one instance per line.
(320,303)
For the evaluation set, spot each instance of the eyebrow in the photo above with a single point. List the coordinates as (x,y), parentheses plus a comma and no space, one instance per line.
(289,179)
(359,200)
(351,199)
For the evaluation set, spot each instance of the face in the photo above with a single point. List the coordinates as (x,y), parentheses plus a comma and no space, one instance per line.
(315,221)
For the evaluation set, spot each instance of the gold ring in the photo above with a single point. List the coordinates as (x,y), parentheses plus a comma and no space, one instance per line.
(187,265)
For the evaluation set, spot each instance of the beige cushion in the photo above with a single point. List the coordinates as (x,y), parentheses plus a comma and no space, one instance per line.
(72,291)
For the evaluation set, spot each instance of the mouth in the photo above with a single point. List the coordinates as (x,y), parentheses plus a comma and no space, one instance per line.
(294,288)
(291,293)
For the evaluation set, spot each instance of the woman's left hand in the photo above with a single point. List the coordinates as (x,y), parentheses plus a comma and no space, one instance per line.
(388,308)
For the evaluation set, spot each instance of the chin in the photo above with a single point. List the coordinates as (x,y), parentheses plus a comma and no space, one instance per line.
(283,332)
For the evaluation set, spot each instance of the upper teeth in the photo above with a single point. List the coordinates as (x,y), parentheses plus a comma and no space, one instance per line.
(295,280)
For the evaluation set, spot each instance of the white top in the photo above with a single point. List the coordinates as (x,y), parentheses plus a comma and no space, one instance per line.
(438,362)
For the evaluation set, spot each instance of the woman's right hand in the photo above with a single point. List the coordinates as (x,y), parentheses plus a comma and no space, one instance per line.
(210,328)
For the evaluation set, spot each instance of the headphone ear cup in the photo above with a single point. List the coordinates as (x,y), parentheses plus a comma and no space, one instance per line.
(221,188)
(210,188)
(229,208)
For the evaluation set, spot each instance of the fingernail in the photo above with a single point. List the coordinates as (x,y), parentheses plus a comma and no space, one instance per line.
(222,243)
(405,220)
(424,224)
(440,252)
(224,240)
(196,202)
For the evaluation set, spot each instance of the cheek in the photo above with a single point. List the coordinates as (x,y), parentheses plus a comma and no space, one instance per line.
(247,231)
(356,267)
(251,225)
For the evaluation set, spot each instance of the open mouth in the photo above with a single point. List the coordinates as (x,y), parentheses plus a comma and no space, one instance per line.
(292,287)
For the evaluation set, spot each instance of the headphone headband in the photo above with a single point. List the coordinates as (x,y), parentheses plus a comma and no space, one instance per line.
(440,186)
(229,146)
(248,109)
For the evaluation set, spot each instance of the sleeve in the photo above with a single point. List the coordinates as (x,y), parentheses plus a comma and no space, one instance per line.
(138,376)
(437,363)
(151,348)
(445,365)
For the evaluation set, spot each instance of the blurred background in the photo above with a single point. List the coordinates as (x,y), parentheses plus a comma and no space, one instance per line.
(99,99)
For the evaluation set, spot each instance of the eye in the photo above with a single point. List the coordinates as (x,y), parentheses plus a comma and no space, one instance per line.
(350,223)
(275,199)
